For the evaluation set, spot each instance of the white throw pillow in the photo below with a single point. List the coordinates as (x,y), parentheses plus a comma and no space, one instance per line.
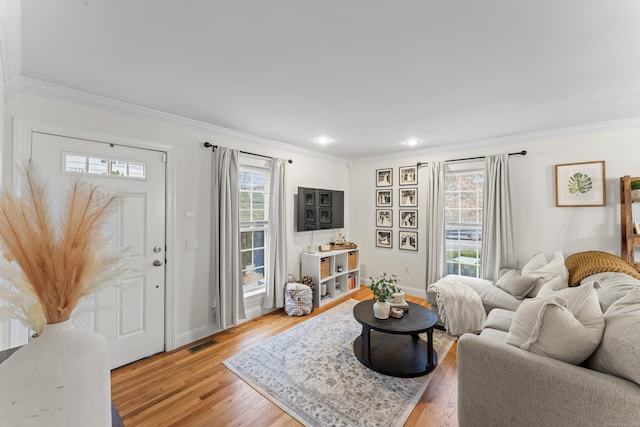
(566,325)
(544,271)
(516,284)
(558,283)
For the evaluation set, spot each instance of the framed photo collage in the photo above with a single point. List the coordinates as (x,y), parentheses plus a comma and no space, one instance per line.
(407,214)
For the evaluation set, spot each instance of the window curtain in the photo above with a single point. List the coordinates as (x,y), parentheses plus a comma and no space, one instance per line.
(436,251)
(226,272)
(276,249)
(498,242)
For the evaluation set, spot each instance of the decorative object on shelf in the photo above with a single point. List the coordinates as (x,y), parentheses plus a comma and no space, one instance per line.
(52,266)
(384,198)
(347,245)
(384,239)
(341,239)
(408,175)
(324,248)
(408,218)
(383,289)
(580,184)
(339,269)
(635,191)
(384,218)
(409,240)
(384,177)
(637,225)
(409,197)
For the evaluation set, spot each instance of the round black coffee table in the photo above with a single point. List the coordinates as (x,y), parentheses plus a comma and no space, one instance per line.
(392,346)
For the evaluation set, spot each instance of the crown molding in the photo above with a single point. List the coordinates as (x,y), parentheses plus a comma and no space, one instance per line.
(51,90)
(611,125)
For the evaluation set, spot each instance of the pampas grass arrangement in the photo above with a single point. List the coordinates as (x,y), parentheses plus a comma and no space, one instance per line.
(50,264)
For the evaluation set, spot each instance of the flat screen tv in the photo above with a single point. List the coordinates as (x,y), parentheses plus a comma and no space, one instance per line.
(319,209)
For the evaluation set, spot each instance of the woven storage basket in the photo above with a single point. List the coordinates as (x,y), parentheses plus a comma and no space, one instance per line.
(324,268)
(353,260)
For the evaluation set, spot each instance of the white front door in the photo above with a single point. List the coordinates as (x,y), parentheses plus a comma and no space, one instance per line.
(131,315)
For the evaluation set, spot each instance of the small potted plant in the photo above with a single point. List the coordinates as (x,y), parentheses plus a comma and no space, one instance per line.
(635,191)
(383,289)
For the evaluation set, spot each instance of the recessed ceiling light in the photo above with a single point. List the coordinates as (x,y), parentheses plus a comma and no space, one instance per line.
(323,140)
(412,142)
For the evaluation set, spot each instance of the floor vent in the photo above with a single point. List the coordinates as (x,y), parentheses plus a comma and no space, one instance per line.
(197,348)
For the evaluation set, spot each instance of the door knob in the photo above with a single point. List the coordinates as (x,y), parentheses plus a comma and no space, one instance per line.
(157,263)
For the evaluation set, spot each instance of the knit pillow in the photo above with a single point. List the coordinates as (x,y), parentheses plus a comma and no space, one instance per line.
(566,325)
(516,284)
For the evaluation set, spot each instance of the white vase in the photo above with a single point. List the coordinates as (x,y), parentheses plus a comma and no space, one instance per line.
(61,378)
(381,309)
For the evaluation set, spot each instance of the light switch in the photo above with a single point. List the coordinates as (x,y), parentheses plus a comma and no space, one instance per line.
(192,244)
(190,214)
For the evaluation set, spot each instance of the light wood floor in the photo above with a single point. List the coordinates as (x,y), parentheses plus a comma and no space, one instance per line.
(179,388)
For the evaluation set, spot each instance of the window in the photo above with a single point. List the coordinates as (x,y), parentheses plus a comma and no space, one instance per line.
(254,224)
(463,211)
(84,164)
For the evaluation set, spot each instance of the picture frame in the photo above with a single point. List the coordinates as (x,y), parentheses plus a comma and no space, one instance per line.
(408,240)
(408,218)
(384,177)
(384,238)
(384,198)
(408,175)
(325,199)
(384,218)
(409,197)
(580,184)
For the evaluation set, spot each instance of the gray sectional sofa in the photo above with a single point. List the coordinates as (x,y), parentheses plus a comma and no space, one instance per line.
(504,385)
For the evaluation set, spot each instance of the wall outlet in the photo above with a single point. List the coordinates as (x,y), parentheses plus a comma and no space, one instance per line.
(192,244)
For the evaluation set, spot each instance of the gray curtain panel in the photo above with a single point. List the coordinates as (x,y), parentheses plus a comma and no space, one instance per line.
(436,252)
(277,238)
(498,243)
(227,297)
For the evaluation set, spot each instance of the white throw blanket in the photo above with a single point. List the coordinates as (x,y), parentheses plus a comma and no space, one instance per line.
(460,307)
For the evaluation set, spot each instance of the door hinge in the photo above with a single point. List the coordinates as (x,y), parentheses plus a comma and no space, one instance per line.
(164,157)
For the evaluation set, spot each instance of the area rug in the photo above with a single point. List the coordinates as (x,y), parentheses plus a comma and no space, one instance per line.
(311,372)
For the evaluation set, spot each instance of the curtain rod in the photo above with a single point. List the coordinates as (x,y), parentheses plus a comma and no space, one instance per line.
(209,145)
(519,153)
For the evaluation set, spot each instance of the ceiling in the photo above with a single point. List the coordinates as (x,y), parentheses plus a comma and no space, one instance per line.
(369,74)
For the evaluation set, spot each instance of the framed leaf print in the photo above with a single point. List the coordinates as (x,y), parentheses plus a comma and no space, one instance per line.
(580,184)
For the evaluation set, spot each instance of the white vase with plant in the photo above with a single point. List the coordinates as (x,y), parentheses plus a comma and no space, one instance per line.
(49,265)
(383,289)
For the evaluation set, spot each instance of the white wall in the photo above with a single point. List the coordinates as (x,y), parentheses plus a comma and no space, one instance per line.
(539,225)
(194,318)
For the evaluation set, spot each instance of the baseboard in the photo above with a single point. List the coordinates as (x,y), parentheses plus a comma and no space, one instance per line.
(415,292)
(193,335)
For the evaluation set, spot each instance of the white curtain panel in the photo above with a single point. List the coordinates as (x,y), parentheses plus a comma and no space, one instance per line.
(436,252)
(498,243)
(277,238)
(227,297)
